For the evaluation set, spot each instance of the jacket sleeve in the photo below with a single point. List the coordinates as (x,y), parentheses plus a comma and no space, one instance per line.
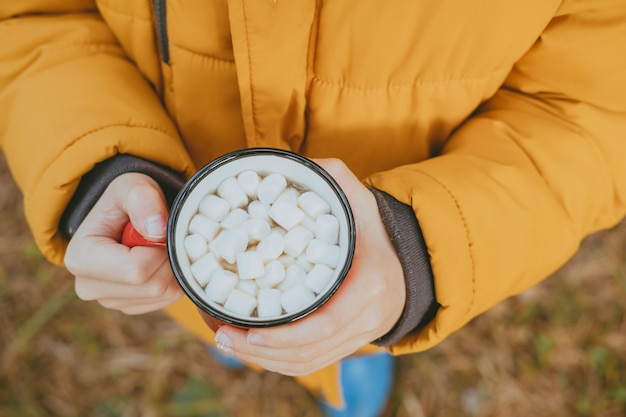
(538,167)
(93,184)
(70,98)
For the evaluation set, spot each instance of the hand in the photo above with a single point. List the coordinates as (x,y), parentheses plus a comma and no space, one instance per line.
(133,280)
(366,306)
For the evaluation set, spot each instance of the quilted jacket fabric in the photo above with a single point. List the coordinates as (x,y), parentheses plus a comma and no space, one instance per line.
(502,124)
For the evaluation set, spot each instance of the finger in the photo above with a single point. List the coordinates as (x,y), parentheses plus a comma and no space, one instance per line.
(140,306)
(294,369)
(290,362)
(101,258)
(308,357)
(341,344)
(145,204)
(156,285)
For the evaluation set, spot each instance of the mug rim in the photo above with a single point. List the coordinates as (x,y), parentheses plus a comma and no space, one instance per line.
(212,166)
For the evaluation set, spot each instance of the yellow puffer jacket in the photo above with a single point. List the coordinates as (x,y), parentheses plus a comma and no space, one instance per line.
(503,124)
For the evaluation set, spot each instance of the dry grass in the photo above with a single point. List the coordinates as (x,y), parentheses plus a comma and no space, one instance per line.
(557,350)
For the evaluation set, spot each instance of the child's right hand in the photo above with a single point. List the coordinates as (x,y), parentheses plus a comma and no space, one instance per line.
(133,280)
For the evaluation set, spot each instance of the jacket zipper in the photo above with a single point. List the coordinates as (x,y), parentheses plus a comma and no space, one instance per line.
(161,29)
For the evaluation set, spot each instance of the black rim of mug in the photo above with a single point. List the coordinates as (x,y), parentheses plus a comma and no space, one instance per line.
(188,188)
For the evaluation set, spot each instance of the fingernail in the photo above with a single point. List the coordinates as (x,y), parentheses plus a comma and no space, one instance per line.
(255,339)
(223,342)
(156,225)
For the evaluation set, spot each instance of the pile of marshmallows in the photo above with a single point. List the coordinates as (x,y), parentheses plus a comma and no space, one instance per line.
(262,247)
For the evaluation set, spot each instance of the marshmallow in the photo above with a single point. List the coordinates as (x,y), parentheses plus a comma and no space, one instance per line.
(271,187)
(195,246)
(214,245)
(313,204)
(249,286)
(269,302)
(296,297)
(308,223)
(249,181)
(289,194)
(203,226)
(293,276)
(318,278)
(231,244)
(221,285)
(279,231)
(285,214)
(214,208)
(257,229)
(235,219)
(321,252)
(240,302)
(203,268)
(250,265)
(274,274)
(296,240)
(231,191)
(258,210)
(286,260)
(271,247)
(303,263)
(327,229)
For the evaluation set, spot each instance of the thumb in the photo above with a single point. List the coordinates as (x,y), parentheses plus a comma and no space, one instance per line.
(145,205)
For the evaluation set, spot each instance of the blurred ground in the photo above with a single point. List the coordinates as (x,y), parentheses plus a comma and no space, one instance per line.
(556,350)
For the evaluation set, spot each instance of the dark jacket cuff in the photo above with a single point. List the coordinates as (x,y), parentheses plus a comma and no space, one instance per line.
(93,184)
(406,236)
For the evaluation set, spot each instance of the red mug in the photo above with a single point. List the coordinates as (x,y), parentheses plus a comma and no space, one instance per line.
(300,173)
